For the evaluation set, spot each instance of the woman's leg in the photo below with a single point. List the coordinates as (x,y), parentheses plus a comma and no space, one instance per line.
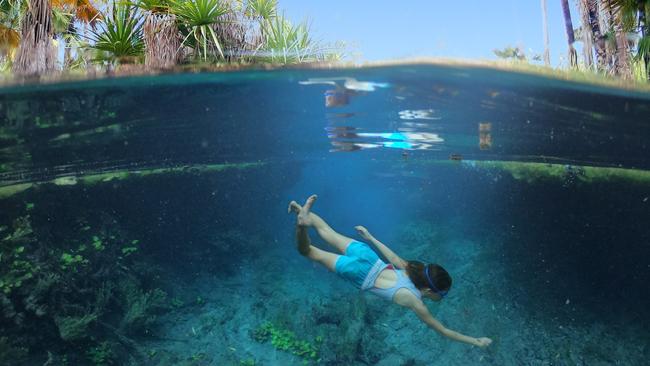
(305,248)
(338,241)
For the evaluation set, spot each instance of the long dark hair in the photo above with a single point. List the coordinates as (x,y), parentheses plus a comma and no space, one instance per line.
(439,276)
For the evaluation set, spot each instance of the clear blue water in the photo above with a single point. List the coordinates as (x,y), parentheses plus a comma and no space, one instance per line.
(151,213)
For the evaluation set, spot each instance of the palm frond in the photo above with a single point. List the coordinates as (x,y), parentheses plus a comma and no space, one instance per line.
(119,33)
(196,17)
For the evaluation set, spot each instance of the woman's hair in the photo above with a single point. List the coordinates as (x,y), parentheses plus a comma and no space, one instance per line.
(438,275)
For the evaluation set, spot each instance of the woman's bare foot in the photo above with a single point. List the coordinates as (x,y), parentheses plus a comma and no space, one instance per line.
(304,217)
(294,207)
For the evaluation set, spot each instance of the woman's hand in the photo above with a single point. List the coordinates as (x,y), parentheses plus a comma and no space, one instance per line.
(483,342)
(363,232)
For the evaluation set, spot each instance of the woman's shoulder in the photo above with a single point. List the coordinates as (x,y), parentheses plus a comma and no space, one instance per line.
(406,297)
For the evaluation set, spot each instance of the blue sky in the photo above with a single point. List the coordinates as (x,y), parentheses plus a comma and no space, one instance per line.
(470,29)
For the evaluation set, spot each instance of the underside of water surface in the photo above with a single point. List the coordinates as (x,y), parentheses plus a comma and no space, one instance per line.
(143,220)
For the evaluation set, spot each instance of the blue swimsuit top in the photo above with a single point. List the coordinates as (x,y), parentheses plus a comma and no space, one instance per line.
(403,281)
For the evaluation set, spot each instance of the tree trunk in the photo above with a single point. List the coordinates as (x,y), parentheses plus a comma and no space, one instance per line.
(587,41)
(161,41)
(568,26)
(622,59)
(36,55)
(547,52)
(645,29)
(599,39)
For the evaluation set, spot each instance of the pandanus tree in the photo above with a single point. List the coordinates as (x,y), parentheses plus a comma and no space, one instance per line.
(196,18)
(162,39)
(118,37)
(35,54)
(568,26)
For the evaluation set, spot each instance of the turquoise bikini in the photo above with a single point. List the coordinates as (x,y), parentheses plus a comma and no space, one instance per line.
(361,266)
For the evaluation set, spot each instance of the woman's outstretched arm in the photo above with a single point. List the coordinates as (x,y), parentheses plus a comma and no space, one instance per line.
(423,313)
(383,249)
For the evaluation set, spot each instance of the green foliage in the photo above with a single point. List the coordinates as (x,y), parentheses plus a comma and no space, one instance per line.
(247,362)
(16,268)
(262,9)
(285,42)
(98,244)
(72,328)
(10,353)
(120,33)
(197,16)
(177,303)
(559,173)
(128,250)
(154,6)
(101,355)
(286,340)
(510,53)
(72,261)
(141,307)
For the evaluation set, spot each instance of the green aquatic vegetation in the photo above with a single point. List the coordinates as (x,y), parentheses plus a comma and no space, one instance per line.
(101,355)
(177,303)
(286,340)
(248,362)
(10,353)
(543,172)
(141,307)
(98,244)
(73,328)
(16,268)
(72,261)
(198,356)
(96,178)
(128,250)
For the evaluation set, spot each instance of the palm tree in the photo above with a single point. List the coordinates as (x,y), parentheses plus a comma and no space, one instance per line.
(162,39)
(633,18)
(10,14)
(617,43)
(82,11)
(585,31)
(36,54)
(547,53)
(598,37)
(568,26)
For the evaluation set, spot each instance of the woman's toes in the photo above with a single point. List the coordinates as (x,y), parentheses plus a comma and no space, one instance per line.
(294,207)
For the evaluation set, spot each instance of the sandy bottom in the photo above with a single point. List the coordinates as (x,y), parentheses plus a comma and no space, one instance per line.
(215,318)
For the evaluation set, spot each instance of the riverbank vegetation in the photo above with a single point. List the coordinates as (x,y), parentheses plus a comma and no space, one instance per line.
(613,35)
(43,36)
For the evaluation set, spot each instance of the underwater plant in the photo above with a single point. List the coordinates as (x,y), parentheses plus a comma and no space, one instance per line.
(101,355)
(286,340)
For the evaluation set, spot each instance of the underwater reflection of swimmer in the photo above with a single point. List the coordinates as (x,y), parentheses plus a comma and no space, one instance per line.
(337,97)
(404,282)
(349,87)
(485,135)
(369,140)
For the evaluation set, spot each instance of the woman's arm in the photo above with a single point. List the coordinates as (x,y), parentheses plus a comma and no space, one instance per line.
(383,249)
(423,313)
